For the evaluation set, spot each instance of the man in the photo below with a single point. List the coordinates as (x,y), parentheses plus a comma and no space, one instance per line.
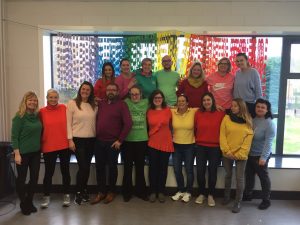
(112,126)
(167,80)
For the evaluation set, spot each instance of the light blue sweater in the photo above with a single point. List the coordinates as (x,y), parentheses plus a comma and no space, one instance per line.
(247,85)
(264,133)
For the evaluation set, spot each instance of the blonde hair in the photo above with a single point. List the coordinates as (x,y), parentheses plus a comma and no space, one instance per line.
(22,107)
(52,90)
(197,63)
(243,111)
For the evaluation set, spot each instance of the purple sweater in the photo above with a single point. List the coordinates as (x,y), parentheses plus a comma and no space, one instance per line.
(113,121)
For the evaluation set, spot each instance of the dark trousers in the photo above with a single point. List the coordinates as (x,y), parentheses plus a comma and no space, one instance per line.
(50,162)
(31,161)
(106,161)
(184,153)
(134,152)
(251,109)
(158,170)
(253,168)
(212,155)
(84,154)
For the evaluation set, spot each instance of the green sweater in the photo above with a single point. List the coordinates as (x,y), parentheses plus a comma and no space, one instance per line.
(138,112)
(167,82)
(26,133)
(146,83)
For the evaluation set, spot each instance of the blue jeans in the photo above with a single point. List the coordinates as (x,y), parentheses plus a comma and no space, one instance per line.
(184,153)
(240,166)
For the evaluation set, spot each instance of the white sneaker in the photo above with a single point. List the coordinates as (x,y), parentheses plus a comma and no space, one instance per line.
(210,201)
(177,196)
(200,199)
(186,197)
(67,200)
(45,202)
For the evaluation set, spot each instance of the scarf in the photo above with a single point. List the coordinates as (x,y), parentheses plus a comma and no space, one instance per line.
(236,119)
(195,82)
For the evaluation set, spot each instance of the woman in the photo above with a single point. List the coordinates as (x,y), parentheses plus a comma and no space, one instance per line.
(135,146)
(260,152)
(81,123)
(160,144)
(145,79)
(207,133)
(247,84)
(108,76)
(220,84)
(126,79)
(184,140)
(235,140)
(194,86)
(26,138)
(55,144)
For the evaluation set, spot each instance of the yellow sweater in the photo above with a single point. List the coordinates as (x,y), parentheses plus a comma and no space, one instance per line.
(235,138)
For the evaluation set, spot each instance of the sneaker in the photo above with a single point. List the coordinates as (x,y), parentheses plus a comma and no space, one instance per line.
(264,204)
(177,196)
(78,198)
(200,199)
(45,202)
(210,201)
(152,197)
(85,196)
(236,208)
(66,201)
(161,197)
(186,197)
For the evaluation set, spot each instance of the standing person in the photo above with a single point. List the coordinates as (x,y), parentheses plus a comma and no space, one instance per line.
(26,138)
(81,127)
(113,125)
(260,153)
(235,140)
(135,146)
(160,144)
(207,132)
(247,83)
(107,77)
(55,144)
(221,83)
(126,79)
(145,79)
(167,80)
(184,140)
(194,86)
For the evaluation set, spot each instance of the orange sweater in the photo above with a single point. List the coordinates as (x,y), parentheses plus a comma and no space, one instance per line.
(160,136)
(54,122)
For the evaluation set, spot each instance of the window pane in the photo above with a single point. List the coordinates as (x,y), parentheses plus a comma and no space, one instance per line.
(295,58)
(291,143)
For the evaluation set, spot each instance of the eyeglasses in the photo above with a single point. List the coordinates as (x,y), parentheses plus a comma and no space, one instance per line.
(223,64)
(158,98)
(166,60)
(135,94)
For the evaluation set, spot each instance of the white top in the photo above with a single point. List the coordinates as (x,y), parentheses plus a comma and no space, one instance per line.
(81,123)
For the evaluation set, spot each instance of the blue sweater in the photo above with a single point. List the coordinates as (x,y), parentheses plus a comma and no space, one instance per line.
(247,85)
(264,133)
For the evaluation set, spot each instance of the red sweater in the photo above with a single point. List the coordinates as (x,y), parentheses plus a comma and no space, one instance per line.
(100,88)
(194,94)
(207,128)
(160,136)
(54,122)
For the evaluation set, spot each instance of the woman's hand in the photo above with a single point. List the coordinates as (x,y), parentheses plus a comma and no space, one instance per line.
(220,108)
(18,158)
(261,162)
(72,146)
(131,83)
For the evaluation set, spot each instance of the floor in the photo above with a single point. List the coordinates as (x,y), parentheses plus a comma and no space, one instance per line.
(138,212)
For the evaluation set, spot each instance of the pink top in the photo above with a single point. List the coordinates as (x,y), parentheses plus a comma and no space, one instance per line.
(123,82)
(222,88)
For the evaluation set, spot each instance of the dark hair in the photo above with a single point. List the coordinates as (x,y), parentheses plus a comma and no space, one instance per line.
(113,84)
(268,104)
(151,98)
(91,99)
(213,106)
(243,55)
(124,59)
(113,71)
(183,95)
(136,87)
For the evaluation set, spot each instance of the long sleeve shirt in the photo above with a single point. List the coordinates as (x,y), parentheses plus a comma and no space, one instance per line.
(26,133)
(100,88)
(247,85)
(146,82)
(123,83)
(54,135)
(264,133)
(113,121)
(235,138)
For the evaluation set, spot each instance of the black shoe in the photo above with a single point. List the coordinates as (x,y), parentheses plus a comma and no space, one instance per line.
(247,198)
(25,209)
(126,198)
(236,207)
(78,198)
(264,204)
(32,208)
(85,196)
(143,197)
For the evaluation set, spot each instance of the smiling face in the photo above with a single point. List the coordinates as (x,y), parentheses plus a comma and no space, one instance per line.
(241,62)
(52,98)
(167,63)
(207,102)
(85,92)
(235,109)
(182,103)
(125,67)
(111,92)
(135,95)
(31,104)
(261,110)
(196,71)
(158,100)
(223,66)
(147,67)
(108,72)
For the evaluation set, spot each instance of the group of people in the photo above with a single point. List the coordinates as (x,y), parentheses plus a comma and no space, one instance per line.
(154,115)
